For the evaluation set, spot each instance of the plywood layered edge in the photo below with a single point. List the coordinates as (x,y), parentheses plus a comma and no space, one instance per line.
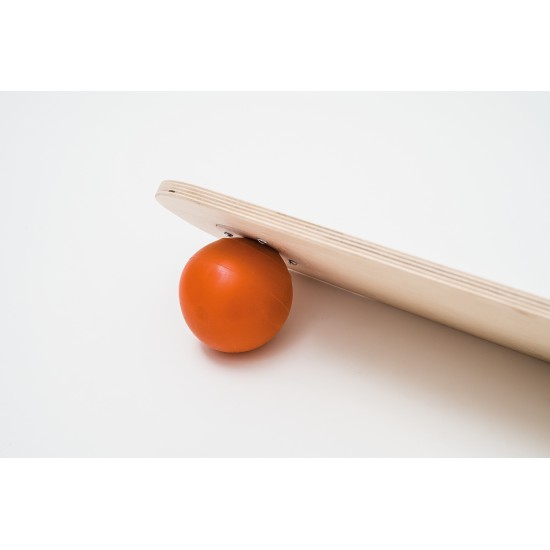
(480,307)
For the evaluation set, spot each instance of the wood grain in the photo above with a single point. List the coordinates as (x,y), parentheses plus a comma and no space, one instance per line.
(486,309)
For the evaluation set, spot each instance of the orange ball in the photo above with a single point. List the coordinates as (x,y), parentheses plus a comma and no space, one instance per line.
(235,294)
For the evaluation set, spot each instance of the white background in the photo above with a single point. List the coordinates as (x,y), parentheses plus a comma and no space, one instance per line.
(96,359)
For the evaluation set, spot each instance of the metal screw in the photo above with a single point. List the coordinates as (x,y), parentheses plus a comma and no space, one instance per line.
(292,262)
(227,234)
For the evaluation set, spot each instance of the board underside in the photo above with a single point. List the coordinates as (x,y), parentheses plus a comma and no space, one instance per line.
(501,314)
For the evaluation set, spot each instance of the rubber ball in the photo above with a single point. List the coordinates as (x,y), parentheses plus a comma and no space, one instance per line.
(235,294)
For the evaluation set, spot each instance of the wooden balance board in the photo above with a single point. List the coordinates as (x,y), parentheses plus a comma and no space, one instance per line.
(480,307)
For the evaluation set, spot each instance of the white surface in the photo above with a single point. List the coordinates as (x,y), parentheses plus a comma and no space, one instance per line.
(95,356)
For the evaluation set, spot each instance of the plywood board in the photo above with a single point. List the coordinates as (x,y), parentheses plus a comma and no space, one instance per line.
(483,308)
